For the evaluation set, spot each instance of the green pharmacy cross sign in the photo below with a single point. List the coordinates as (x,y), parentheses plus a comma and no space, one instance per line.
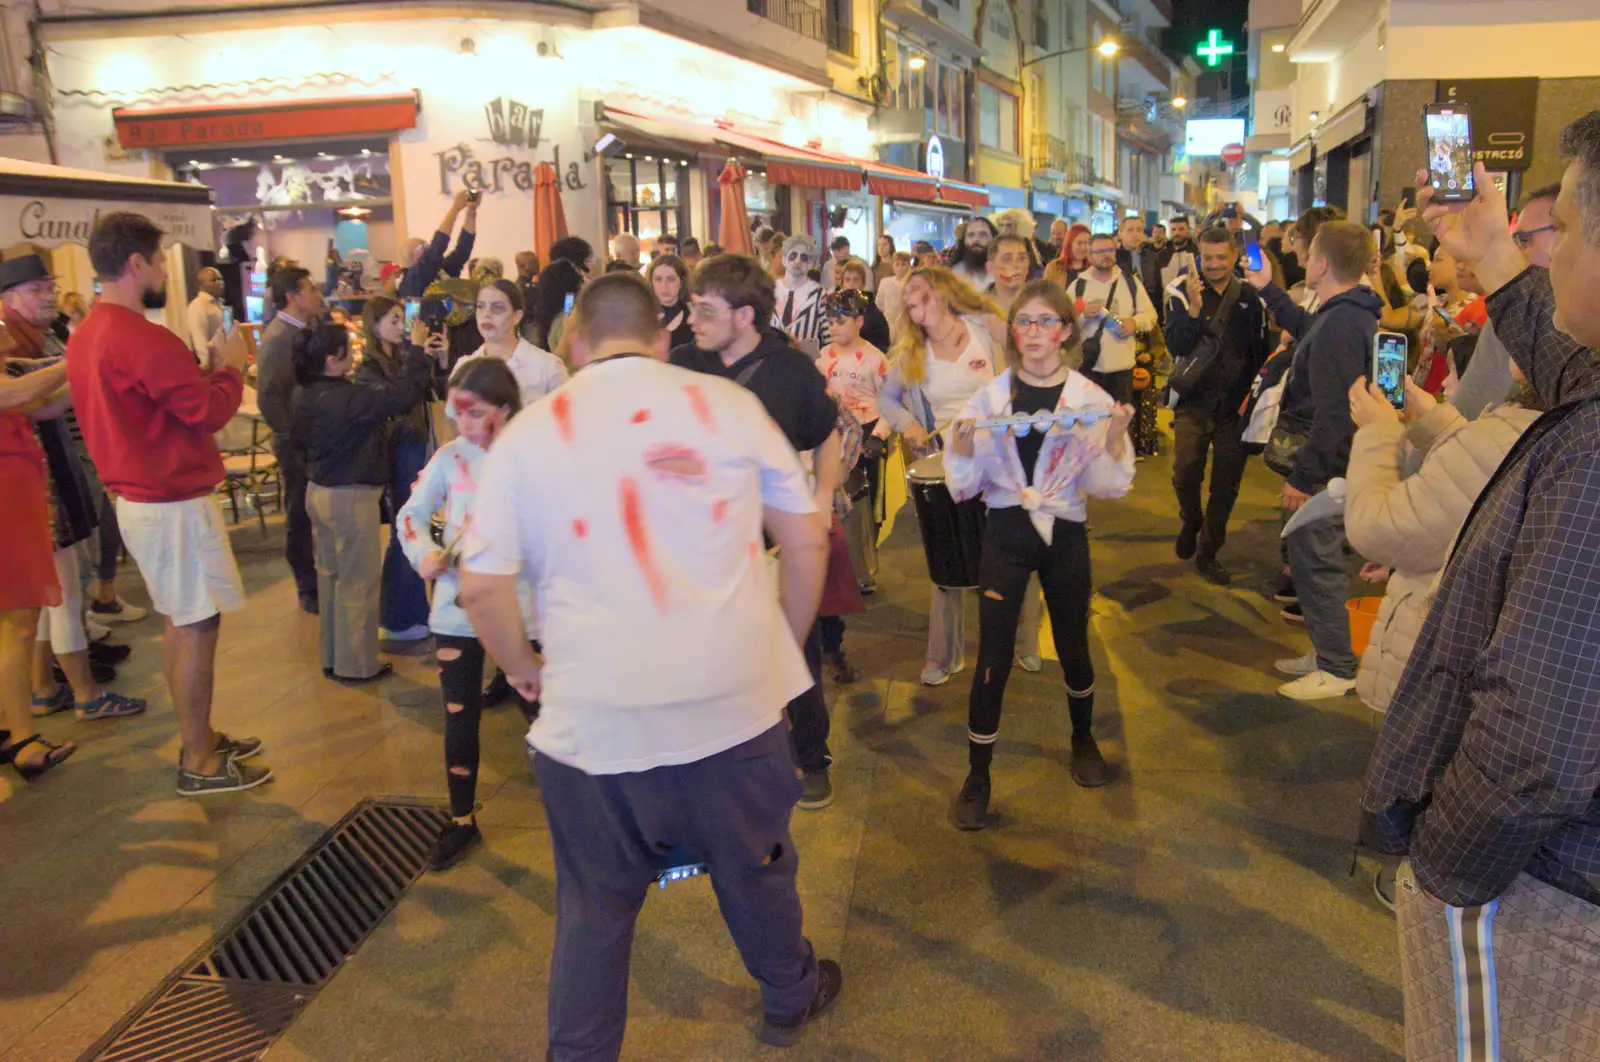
(1213,48)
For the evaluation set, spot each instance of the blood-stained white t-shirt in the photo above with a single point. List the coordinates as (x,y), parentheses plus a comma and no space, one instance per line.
(631,500)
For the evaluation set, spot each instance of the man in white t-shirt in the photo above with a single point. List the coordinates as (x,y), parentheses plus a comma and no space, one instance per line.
(634,500)
(1114,306)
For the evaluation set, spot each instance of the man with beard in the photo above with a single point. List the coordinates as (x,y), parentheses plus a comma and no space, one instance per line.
(972,262)
(149,414)
(798,309)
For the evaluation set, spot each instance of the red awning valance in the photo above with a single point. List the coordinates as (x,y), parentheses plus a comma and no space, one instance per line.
(806,167)
(957,192)
(233,123)
(897,183)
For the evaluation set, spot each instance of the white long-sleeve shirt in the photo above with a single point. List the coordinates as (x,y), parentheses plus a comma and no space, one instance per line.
(1123,298)
(1073,464)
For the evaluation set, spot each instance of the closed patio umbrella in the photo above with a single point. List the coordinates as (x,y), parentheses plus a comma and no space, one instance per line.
(734,233)
(549,220)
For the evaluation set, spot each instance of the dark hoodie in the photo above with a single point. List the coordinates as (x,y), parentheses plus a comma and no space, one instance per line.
(1333,349)
(785,379)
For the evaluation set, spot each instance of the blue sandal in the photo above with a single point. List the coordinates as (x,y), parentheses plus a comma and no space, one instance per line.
(109,705)
(59,701)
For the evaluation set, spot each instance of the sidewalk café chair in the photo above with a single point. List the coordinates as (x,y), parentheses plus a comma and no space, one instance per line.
(249,465)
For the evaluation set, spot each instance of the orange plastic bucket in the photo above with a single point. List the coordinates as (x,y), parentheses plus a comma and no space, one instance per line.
(1363,614)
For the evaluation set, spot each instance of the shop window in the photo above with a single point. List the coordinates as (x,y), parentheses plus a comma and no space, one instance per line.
(997,119)
(1041,27)
(944,100)
(645,196)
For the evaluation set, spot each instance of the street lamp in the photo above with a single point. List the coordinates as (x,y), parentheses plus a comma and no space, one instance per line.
(1180,102)
(1108,48)
(916,62)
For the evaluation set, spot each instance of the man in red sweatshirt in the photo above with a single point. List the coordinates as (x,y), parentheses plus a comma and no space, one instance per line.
(148,414)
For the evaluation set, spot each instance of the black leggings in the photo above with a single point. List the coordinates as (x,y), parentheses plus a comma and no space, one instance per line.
(1013,550)
(461,682)
(105,568)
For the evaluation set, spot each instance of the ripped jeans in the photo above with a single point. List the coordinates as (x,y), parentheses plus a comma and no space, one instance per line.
(461,681)
(1012,551)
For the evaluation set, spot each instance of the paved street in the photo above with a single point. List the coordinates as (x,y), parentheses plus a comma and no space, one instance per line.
(1198,908)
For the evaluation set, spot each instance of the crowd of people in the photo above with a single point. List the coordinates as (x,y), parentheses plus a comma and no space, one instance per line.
(680,462)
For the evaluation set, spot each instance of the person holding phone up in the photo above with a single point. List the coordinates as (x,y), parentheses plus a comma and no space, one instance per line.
(1310,445)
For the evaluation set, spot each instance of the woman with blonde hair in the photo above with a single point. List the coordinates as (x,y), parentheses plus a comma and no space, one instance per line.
(950,346)
(1035,485)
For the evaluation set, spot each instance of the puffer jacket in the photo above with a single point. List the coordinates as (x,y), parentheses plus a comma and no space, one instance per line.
(1409,523)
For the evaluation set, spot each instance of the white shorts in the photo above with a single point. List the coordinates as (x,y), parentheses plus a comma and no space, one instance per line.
(182,551)
(62,625)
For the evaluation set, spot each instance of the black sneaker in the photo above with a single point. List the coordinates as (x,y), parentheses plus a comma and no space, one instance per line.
(1284,593)
(778,1031)
(1188,542)
(1212,572)
(1088,766)
(102,673)
(839,670)
(106,653)
(237,749)
(971,809)
(231,777)
(498,691)
(308,604)
(816,790)
(453,843)
(1293,615)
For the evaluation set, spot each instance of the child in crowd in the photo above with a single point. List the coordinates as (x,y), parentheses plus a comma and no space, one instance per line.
(483,396)
(855,370)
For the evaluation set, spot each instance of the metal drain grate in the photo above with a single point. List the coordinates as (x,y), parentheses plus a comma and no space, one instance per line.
(230,1000)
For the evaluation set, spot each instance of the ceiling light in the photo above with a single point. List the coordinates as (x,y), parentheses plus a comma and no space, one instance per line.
(366,151)
(278,157)
(194,162)
(1315,115)
(322,154)
(1277,47)
(916,62)
(1180,102)
(629,155)
(1108,47)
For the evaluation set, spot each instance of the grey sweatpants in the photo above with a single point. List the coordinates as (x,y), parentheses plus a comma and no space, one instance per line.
(349,548)
(1515,980)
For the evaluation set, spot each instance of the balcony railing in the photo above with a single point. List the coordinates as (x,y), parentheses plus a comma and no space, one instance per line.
(842,39)
(802,16)
(1052,153)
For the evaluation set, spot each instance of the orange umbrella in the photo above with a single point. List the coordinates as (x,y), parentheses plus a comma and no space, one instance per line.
(549,220)
(734,235)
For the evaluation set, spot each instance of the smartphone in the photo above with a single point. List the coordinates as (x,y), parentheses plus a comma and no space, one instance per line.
(1447,130)
(1254,258)
(413,307)
(571,300)
(1408,197)
(1389,350)
(97,289)
(227,319)
(1451,321)
(475,195)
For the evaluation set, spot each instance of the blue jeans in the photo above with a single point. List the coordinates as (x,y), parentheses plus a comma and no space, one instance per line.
(403,601)
(1322,579)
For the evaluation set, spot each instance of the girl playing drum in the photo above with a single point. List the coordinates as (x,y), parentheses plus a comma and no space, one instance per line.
(946,352)
(1035,485)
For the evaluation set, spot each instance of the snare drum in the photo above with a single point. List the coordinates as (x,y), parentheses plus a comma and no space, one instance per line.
(952,532)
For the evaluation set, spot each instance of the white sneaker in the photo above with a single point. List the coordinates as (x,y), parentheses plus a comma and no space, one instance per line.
(1298,666)
(118,611)
(410,634)
(98,632)
(1033,663)
(938,676)
(1317,686)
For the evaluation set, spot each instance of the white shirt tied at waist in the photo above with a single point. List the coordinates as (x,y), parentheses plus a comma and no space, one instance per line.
(1073,463)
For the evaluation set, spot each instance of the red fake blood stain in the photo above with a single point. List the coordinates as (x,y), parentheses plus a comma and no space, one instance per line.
(754,550)
(676,462)
(639,541)
(580,529)
(411,531)
(561,409)
(641,416)
(719,511)
(702,408)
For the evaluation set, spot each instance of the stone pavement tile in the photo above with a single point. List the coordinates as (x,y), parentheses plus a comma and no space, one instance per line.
(402,1037)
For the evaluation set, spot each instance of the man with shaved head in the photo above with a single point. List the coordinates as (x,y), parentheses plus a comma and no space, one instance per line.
(205,311)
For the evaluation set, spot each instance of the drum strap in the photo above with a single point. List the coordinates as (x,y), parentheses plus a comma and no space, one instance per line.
(748,373)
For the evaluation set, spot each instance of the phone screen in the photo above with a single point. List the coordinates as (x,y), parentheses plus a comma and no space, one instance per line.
(1389,367)
(1253,258)
(1448,131)
(227,319)
(566,307)
(413,307)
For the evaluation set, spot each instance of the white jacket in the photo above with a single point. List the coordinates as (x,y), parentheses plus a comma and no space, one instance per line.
(1072,465)
(538,372)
